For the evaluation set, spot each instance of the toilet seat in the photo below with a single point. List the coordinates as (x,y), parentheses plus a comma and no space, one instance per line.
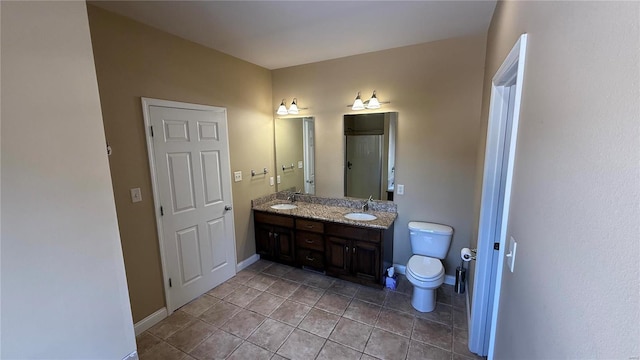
(424,268)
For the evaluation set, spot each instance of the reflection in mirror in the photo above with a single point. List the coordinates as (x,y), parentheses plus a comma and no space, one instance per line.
(370,152)
(295,144)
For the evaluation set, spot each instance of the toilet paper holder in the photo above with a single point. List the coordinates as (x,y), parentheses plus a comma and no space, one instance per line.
(468,254)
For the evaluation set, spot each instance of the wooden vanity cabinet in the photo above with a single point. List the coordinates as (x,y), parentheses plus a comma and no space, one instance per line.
(354,253)
(310,243)
(275,237)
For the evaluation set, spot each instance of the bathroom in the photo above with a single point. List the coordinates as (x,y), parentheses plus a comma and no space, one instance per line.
(575,162)
(437,137)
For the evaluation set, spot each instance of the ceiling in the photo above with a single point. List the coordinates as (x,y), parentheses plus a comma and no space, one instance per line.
(277,34)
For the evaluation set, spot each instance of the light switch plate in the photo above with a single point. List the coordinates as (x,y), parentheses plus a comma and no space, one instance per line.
(271,181)
(400,190)
(300,165)
(511,254)
(136,195)
(237,176)
(278,179)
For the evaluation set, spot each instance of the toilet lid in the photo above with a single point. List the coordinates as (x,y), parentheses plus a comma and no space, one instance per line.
(425,267)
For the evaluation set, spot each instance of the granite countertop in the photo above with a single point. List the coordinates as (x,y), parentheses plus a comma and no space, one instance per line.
(324,212)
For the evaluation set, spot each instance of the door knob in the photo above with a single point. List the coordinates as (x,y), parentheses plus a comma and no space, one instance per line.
(228,207)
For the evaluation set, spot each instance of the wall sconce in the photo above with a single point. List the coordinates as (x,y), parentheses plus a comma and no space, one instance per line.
(370,104)
(293,109)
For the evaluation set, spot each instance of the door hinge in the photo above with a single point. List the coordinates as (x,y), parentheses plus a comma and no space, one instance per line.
(151,130)
(496,246)
(161,211)
(169,282)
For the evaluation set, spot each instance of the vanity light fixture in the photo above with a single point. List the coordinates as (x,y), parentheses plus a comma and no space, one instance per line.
(372,103)
(293,109)
(358,104)
(282,110)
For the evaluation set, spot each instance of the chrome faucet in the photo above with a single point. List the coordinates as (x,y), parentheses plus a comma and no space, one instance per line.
(365,206)
(292,197)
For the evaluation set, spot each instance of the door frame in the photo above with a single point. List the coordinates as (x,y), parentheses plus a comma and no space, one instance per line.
(488,275)
(146,103)
(309,154)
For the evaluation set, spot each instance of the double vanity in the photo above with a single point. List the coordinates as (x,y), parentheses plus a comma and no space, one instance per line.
(333,236)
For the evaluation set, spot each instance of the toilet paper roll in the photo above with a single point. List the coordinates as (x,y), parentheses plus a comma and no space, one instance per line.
(466,254)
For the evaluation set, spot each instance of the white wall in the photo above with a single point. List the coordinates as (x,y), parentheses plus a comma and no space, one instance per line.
(64,293)
(575,206)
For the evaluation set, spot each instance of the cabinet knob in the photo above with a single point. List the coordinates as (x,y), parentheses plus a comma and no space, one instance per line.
(308,241)
(346,248)
(354,249)
(275,235)
(310,258)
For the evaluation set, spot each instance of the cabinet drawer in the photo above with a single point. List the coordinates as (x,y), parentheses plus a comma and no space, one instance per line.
(273,219)
(311,258)
(309,225)
(309,240)
(353,232)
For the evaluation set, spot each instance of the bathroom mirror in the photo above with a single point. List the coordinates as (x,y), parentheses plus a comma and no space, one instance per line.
(295,155)
(370,152)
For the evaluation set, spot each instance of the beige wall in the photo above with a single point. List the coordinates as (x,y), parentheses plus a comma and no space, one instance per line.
(134,60)
(436,90)
(64,292)
(289,150)
(575,197)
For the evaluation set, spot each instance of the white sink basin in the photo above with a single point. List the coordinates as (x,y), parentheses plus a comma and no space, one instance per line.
(360,216)
(284,206)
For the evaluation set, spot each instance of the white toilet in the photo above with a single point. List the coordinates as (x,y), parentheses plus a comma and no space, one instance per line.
(429,243)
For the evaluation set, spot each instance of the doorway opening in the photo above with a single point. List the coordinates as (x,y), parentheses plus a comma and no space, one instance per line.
(502,130)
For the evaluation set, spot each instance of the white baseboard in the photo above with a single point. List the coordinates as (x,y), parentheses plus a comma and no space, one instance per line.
(146,323)
(246,262)
(132,356)
(448,279)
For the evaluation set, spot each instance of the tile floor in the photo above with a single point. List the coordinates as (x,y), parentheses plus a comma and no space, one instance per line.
(273,311)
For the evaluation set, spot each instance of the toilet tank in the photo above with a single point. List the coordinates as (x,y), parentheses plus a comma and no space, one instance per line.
(430,239)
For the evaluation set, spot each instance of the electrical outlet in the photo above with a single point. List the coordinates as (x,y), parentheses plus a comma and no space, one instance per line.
(271,181)
(278,179)
(300,165)
(136,195)
(400,190)
(237,176)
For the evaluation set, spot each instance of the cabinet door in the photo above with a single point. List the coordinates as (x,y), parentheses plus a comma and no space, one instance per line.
(366,260)
(264,243)
(337,253)
(283,239)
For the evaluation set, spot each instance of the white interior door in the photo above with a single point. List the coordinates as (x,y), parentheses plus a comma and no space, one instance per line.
(192,189)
